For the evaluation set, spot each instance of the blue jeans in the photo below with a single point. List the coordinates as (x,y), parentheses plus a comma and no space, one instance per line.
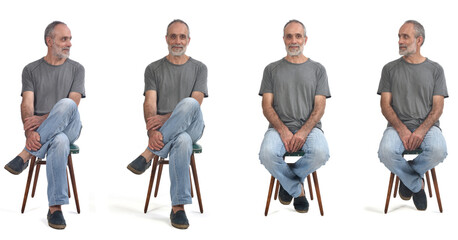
(411,172)
(184,127)
(62,127)
(292,177)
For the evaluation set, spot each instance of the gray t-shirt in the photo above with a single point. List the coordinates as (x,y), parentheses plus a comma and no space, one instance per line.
(175,82)
(51,83)
(412,87)
(294,87)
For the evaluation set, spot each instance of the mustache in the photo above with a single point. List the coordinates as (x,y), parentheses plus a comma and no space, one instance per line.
(294,45)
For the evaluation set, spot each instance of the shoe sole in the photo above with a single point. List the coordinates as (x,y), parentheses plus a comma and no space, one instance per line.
(180,226)
(284,202)
(11,170)
(405,198)
(302,211)
(55,226)
(134,170)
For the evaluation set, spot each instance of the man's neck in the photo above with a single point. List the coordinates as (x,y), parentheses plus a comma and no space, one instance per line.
(296,59)
(53,60)
(178,60)
(416,58)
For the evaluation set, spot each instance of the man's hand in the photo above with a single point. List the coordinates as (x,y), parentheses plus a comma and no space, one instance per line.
(286,137)
(155,140)
(415,139)
(32,142)
(297,141)
(155,122)
(33,122)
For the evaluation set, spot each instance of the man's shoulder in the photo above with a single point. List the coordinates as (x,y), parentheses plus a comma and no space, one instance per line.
(196,62)
(156,64)
(33,65)
(433,64)
(273,65)
(389,66)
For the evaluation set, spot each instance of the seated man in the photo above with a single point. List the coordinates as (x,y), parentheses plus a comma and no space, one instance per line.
(294,91)
(412,90)
(52,88)
(175,86)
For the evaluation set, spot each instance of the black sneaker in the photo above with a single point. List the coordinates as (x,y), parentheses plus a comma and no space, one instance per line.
(179,219)
(139,165)
(284,197)
(419,199)
(404,192)
(17,165)
(56,220)
(301,204)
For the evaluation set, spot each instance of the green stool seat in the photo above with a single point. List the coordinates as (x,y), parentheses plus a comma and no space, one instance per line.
(196,148)
(74,149)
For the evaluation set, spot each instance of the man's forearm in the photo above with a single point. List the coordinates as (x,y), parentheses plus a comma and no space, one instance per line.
(274,119)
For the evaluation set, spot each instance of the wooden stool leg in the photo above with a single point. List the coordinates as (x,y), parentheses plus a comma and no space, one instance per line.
(196,182)
(159,174)
(396,185)
(27,185)
(151,180)
(310,187)
(317,189)
(190,183)
(68,185)
(388,195)
(277,189)
(429,185)
(269,195)
(72,177)
(35,179)
(436,187)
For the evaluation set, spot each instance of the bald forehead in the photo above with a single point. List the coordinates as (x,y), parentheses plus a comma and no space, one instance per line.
(177,28)
(293,28)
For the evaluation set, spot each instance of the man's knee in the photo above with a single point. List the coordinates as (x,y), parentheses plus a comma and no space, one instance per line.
(188,104)
(183,141)
(65,104)
(61,141)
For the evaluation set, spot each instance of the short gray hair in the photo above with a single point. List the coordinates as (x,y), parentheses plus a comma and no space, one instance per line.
(294,21)
(49,31)
(178,21)
(419,29)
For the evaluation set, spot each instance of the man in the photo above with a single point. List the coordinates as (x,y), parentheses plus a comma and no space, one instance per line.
(412,90)
(175,87)
(52,88)
(294,91)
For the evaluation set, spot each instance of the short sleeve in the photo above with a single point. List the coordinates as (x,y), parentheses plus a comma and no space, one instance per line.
(440,86)
(201,80)
(322,87)
(27,83)
(385,82)
(78,81)
(266,84)
(150,80)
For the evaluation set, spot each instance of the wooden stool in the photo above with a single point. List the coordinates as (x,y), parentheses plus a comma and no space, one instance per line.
(196,148)
(74,149)
(433,174)
(277,187)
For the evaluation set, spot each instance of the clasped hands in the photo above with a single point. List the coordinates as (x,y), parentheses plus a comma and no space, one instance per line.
(293,142)
(31,124)
(153,123)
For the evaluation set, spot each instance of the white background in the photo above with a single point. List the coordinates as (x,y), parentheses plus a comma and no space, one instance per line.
(116,40)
